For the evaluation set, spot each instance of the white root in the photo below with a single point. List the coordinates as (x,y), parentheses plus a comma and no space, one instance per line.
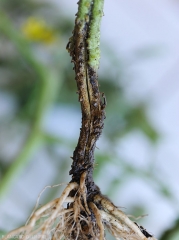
(53,221)
(64,195)
(76,209)
(14,233)
(41,210)
(98,219)
(83,190)
(118,214)
(118,229)
(39,196)
(113,221)
(52,210)
(137,218)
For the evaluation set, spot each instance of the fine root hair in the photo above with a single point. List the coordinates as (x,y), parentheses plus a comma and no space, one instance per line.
(76,218)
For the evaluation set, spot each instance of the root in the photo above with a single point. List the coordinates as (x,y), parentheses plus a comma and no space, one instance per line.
(118,229)
(62,199)
(137,218)
(119,215)
(39,196)
(80,220)
(83,190)
(44,220)
(118,223)
(98,219)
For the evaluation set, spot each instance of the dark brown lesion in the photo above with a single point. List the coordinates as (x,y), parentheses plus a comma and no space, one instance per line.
(93,115)
(92,108)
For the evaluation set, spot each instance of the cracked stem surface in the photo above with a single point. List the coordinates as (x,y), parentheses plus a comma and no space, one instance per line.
(84,50)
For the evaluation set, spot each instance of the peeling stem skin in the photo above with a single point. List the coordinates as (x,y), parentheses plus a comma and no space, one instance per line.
(84,50)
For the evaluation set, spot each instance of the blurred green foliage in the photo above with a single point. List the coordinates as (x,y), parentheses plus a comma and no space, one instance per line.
(172,233)
(37,74)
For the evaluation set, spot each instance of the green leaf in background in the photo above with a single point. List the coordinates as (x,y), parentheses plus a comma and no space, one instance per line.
(2,233)
(171,233)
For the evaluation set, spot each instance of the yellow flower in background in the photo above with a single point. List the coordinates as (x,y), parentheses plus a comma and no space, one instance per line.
(36,30)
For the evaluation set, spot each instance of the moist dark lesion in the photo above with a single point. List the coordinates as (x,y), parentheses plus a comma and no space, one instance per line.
(92,108)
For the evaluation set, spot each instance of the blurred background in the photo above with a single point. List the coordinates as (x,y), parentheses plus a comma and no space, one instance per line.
(137,157)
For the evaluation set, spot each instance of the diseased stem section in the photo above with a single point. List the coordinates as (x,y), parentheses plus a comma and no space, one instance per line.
(87,213)
(84,50)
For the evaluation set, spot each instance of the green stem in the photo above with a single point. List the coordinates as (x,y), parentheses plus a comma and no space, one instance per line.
(83,10)
(46,83)
(94,34)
